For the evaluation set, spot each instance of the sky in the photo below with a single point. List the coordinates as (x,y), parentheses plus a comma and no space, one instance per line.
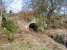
(63,10)
(17,5)
(14,5)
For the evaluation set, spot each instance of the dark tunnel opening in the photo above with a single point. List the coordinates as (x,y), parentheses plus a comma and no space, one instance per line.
(66,44)
(33,26)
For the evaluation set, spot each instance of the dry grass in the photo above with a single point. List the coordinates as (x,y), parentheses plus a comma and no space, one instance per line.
(27,40)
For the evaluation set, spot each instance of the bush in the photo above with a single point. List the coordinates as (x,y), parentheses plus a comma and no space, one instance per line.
(58,38)
(9,29)
(41,22)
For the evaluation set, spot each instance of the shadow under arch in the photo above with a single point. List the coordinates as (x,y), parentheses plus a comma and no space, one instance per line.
(33,26)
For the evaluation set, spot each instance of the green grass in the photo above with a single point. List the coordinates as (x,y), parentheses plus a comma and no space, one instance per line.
(10,26)
(44,49)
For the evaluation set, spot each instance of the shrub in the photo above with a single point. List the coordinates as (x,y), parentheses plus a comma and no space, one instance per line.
(58,38)
(9,29)
(41,22)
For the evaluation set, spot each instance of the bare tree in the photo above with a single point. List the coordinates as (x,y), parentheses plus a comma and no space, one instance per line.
(54,4)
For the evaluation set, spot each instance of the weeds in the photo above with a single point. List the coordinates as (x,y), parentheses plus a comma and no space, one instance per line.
(9,28)
(41,22)
(58,38)
(44,49)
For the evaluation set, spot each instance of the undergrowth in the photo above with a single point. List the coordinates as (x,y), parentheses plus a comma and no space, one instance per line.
(9,28)
(58,38)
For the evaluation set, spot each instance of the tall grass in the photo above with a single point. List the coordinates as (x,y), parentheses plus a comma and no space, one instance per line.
(41,22)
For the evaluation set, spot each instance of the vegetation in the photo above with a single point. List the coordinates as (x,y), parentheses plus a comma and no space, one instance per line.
(44,49)
(40,15)
(9,27)
(41,22)
(59,39)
